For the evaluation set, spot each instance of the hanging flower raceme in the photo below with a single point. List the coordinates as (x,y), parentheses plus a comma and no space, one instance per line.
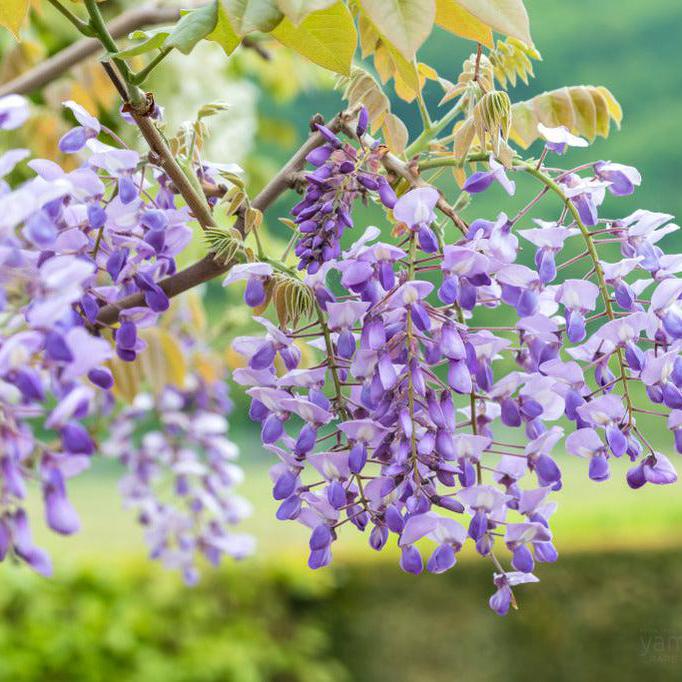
(342,175)
(70,243)
(181,474)
(396,430)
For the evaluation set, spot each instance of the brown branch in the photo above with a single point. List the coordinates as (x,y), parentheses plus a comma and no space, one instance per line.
(60,63)
(196,203)
(208,268)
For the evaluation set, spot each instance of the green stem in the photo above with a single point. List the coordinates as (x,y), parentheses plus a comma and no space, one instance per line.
(142,75)
(423,110)
(82,26)
(100,30)
(431,132)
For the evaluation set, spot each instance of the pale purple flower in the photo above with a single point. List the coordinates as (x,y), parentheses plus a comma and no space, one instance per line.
(76,138)
(622,179)
(416,209)
(14,112)
(256,276)
(481,180)
(557,139)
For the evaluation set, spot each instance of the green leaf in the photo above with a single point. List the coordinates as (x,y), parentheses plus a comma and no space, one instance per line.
(297,10)
(405,23)
(151,40)
(252,15)
(505,16)
(193,27)
(12,14)
(327,38)
(223,33)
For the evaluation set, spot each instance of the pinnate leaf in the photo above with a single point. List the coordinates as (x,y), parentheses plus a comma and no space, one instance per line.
(326,37)
(362,89)
(511,59)
(454,18)
(504,16)
(585,110)
(405,23)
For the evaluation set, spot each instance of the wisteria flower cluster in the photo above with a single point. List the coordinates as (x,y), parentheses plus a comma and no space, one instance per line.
(181,474)
(401,429)
(70,243)
(342,175)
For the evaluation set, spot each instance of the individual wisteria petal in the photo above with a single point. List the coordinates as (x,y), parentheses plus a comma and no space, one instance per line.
(622,179)
(416,207)
(481,180)
(560,137)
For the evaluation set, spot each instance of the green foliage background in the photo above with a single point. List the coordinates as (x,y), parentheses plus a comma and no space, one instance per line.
(616,616)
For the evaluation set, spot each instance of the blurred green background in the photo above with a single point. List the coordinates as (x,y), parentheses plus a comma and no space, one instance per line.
(611,609)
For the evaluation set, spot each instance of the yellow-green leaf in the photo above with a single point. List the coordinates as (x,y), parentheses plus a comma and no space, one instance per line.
(12,14)
(585,110)
(223,33)
(361,88)
(252,15)
(454,18)
(406,71)
(395,134)
(405,23)
(327,37)
(504,16)
(612,104)
(297,10)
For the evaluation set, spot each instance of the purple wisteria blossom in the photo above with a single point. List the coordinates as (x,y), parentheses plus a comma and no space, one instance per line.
(557,139)
(342,175)
(181,475)
(426,402)
(395,429)
(481,180)
(70,243)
